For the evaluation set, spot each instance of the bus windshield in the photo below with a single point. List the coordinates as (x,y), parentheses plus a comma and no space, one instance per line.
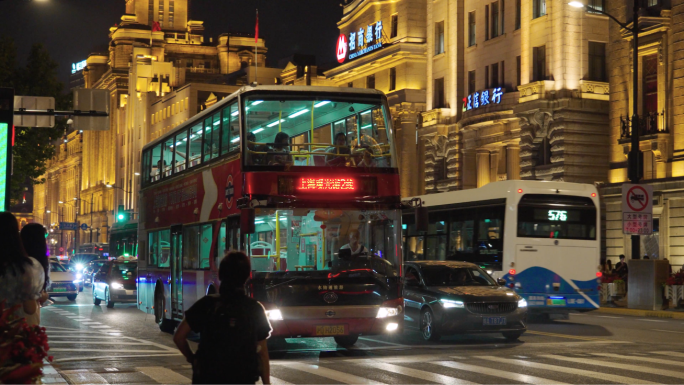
(320,132)
(307,240)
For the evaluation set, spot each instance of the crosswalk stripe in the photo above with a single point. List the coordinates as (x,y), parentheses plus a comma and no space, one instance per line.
(497,373)
(275,381)
(84,376)
(615,365)
(640,358)
(329,373)
(674,354)
(566,336)
(562,369)
(97,343)
(163,375)
(410,372)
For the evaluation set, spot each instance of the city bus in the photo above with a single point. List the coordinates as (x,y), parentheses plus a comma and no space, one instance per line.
(305,181)
(542,237)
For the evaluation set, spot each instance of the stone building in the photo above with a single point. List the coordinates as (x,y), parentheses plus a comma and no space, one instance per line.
(661,127)
(382,45)
(515,89)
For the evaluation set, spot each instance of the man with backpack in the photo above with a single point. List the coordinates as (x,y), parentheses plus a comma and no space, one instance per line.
(233,331)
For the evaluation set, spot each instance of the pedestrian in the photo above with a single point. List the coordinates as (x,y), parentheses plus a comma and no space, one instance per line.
(621,268)
(21,277)
(35,243)
(608,267)
(233,330)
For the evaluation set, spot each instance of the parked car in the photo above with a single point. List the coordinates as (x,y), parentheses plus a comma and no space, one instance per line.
(449,297)
(92,268)
(64,283)
(116,282)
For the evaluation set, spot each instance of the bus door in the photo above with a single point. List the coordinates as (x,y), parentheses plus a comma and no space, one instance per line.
(177,272)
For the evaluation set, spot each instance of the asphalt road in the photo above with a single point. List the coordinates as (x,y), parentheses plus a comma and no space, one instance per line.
(93,344)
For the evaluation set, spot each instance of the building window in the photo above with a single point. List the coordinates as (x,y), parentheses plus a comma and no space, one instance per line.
(495,75)
(370,81)
(544,153)
(650,83)
(394,25)
(439,38)
(150,12)
(517,14)
(539,59)
(495,19)
(350,84)
(171,6)
(471,29)
(486,22)
(503,76)
(597,61)
(438,101)
(393,79)
(440,169)
(486,85)
(503,13)
(161,13)
(651,3)
(518,71)
(538,8)
(471,82)
(596,5)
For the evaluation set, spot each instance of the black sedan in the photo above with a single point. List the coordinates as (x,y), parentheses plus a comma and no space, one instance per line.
(448,297)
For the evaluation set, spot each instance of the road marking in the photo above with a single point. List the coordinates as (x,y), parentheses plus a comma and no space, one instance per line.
(97,343)
(327,373)
(497,373)
(163,375)
(668,331)
(615,365)
(563,369)
(642,359)
(577,314)
(381,342)
(109,350)
(650,320)
(415,373)
(275,381)
(676,354)
(566,336)
(84,376)
(100,326)
(607,316)
(70,359)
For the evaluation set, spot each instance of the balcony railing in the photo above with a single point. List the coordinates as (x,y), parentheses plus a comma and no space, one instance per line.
(650,124)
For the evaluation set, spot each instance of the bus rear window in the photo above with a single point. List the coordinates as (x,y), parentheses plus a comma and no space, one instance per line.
(560,217)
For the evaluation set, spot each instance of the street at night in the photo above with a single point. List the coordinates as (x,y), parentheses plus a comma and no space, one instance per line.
(96,345)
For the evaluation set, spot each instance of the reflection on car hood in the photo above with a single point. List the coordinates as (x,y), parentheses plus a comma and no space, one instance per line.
(61,276)
(479,293)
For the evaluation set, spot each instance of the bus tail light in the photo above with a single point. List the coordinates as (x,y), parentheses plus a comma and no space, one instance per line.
(391,308)
(511,285)
(519,191)
(599,274)
(593,195)
(511,271)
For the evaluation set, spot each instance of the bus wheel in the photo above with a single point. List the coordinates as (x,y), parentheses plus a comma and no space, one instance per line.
(346,341)
(165,325)
(427,326)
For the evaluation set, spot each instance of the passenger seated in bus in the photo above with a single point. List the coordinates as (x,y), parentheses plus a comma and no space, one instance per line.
(339,148)
(280,154)
(367,160)
(354,245)
(365,143)
(255,159)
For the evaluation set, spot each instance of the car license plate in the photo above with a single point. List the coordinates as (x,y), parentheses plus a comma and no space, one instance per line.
(130,292)
(331,330)
(555,302)
(59,289)
(494,321)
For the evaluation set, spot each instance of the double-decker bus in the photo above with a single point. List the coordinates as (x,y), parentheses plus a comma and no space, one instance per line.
(542,237)
(305,180)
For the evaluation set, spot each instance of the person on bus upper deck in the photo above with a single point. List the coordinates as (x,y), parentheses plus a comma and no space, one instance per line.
(339,148)
(255,159)
(367,160)
(354,245)
(280,154)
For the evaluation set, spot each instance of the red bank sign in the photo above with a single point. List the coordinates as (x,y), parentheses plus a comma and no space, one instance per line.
(341,48)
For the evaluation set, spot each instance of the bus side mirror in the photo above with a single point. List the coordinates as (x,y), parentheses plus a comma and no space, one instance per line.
(247,217)
(502,282)
(422,221)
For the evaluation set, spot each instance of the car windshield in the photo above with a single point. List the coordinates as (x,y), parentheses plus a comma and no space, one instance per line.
(455,276)
(57,267)
(342,131)
(125,270)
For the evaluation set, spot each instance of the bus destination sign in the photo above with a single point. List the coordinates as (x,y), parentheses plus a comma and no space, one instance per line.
(327,184)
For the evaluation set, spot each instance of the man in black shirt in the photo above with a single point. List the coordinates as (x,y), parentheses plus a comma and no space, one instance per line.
(621,268)
(233,331)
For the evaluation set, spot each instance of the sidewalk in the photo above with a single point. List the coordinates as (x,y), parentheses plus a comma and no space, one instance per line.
(50,375)
(677,314)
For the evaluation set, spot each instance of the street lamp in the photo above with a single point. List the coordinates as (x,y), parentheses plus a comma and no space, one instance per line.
(111,185)
(635,158)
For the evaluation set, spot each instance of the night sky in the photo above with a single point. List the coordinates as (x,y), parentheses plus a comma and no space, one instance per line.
(72,29)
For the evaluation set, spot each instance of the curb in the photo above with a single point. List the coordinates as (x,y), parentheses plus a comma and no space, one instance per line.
(642,313)
(50,375)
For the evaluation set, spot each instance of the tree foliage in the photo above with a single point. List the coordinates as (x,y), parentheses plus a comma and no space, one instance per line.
(33,147)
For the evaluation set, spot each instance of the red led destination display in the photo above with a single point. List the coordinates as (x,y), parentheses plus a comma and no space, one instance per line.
(327,184)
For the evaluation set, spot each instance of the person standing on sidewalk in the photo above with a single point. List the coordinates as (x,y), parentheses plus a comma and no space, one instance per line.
(33,237)
(621,268)
(233,331)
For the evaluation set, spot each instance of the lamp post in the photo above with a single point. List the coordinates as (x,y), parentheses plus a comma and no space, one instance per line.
(91,213)
(111,185)
(635,158)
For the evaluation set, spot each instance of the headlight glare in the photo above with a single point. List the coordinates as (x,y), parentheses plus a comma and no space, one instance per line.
(117,285)
(274,315)
(522,303)
(448,303)
(79,266)
(385,312)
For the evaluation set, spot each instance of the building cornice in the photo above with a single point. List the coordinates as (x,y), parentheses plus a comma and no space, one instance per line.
(393,53)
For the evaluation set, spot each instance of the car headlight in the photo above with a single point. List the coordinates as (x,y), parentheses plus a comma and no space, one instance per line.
(274,315)
(385,312)
(448,303)
(522,303)
(117,285)
(79,267)
(79,276)
(76,282)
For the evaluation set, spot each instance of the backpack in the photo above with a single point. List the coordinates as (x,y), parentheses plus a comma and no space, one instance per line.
(228,344)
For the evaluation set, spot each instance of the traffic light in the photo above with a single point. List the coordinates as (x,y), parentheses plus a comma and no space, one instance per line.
(6,136)
(121,214)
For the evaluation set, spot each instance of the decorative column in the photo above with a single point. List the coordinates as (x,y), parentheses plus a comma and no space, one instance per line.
(483,170)
(469,173)
(512,162)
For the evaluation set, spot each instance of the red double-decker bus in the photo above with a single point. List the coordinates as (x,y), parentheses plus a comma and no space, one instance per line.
(305,180)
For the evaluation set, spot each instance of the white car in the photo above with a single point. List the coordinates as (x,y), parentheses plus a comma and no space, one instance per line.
(64,283)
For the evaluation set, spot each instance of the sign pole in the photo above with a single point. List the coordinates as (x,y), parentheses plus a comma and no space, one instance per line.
(6,133)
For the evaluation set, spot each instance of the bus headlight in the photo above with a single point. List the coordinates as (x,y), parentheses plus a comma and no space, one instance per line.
(385,312)
(447,303)
(522,303)
(274,315)
(117,285)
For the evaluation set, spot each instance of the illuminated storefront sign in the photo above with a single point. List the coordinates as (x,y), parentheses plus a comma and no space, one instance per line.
(482,98)
(4,156)
(75,67)
(359,42)
(327,184)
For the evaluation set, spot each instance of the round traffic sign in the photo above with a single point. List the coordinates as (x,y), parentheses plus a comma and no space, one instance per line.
(637,198)
(61,249)
(84,226)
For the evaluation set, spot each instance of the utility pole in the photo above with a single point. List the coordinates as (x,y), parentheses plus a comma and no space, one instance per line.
(635,157)
(91,217)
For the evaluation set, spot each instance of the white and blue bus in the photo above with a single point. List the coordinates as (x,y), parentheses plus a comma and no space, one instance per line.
(543,238)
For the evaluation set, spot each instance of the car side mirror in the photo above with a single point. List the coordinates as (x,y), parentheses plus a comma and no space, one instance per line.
(501,282)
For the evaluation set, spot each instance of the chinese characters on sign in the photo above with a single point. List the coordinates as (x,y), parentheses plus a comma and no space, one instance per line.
(481,99)
(637,209)
(361,42)
(637,224)
(327,184)
(75,67)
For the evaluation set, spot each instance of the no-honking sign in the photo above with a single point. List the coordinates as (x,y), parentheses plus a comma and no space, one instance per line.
(637,209)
